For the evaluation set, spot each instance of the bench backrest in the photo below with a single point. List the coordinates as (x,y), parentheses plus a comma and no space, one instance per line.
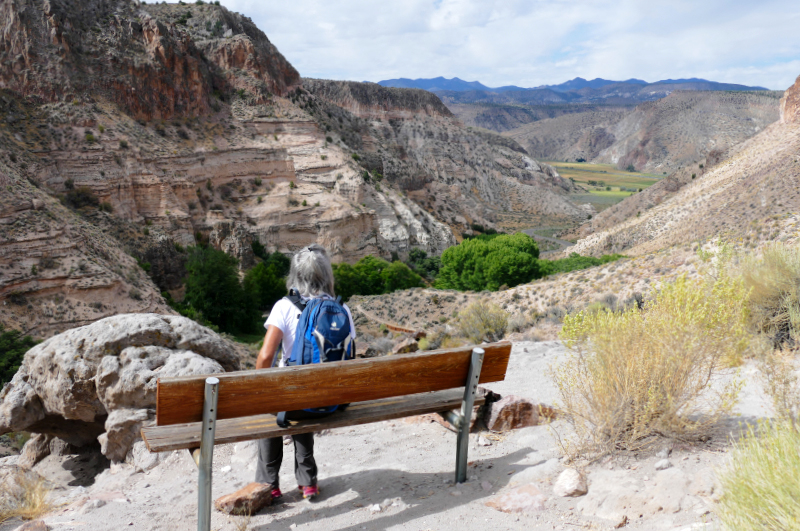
(246,393)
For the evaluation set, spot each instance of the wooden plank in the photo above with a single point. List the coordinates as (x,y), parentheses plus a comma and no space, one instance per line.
(176,437)
(247,393)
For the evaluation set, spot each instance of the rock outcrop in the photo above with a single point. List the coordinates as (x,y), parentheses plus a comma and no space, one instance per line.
(99,381)
(790,104)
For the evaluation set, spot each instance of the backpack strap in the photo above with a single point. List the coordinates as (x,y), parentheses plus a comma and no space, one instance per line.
(296,299)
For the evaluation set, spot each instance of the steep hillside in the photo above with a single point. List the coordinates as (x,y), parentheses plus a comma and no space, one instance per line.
(757,183)
(660,136)
(459,176)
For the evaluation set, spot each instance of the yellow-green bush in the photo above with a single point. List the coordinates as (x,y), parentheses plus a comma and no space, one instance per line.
(26,495)
(482,321)
(761,491)
(636,375)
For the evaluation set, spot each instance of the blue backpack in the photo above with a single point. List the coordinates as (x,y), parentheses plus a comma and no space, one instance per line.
(322,335)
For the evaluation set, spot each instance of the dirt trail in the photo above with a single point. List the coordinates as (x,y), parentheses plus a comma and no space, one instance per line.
(399,475)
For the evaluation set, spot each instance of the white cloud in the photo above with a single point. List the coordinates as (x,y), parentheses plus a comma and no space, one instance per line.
(534,42)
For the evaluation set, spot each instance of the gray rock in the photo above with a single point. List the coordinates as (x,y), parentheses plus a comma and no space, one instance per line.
(71,385)
(91,505)
(524,499)
(663,464)
(570,483)
(34,525)
(142,459)
(36,449)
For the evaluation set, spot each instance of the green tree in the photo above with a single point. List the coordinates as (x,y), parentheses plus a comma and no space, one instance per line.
(399,276)
(213,289)
(13,346)
(266,284)
(488,262)
(423,265)
(373,276)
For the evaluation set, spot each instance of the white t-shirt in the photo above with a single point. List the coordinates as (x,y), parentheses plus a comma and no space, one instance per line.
(284,316)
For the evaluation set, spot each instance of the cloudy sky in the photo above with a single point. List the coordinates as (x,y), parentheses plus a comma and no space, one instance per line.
(536,42)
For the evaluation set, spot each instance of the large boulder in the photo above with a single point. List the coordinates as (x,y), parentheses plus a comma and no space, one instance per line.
(99,381)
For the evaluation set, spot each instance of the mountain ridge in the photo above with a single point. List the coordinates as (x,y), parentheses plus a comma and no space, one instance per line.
(439,84)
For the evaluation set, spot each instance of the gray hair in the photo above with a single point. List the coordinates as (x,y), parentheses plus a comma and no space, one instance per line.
(311,273)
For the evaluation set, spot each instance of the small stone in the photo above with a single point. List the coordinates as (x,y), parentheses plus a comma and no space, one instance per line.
(91,505)
(485,485)
(225,469)
(524,499)
(375,508)
(570,483)
(248,500)
(663,454)
(663,464)
(293,526)
(455,493)
(622,521)
(483,441)
(35,525)
(406,346)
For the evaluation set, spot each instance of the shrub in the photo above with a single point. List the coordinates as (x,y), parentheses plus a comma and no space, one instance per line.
(774,281)
(13,346)
(575,262)
(488,262)
(760,487)
(639,374)
(80,197)
(105,206)
(90,138)
(123,144)
(482,321)
(630,168)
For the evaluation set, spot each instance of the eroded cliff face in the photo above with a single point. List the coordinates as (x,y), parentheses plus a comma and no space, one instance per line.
(184,125)
(790,104)
(135,55)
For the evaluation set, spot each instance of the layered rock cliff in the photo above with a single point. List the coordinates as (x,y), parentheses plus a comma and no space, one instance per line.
(790,104)
(164,125)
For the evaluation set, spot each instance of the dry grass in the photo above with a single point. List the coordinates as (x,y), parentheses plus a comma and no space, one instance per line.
(25,496)
(638,375)
(482,321)
(760,486)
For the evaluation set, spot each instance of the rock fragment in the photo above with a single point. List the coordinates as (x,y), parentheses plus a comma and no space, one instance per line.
(512,412)
(246,501)
(406,346)
(570,483)
(524,499)
(36,449)
(663,464)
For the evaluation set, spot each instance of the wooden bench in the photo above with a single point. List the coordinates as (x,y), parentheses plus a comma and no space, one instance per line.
(201,411)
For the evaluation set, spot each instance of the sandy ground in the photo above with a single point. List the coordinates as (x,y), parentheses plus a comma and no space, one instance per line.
(399,475)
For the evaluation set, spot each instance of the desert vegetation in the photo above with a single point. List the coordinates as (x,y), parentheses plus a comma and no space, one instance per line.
(13,346)
(25,496)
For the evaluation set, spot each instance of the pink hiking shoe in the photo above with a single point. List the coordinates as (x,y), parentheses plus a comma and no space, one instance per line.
(310,492)
(277,494)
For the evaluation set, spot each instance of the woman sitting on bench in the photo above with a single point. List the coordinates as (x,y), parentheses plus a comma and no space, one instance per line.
(310,277)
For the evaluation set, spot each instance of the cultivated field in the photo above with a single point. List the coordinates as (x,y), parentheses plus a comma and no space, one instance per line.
(596,178)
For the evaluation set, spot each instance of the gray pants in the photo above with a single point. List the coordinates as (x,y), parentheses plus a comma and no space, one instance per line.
(270,456)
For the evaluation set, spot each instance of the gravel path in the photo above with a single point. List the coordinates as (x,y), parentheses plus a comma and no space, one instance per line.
(397,475)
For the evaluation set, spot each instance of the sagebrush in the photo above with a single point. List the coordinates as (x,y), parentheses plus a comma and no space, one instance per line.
(482,321)
(637,375)
(26,495)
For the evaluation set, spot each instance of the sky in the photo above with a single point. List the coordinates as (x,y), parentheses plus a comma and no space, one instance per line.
(535,42)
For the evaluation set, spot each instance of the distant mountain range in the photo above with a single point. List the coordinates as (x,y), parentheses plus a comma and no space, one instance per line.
(441,84)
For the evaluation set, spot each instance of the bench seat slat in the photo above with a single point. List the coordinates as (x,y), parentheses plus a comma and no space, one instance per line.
(179,436)
(248,393)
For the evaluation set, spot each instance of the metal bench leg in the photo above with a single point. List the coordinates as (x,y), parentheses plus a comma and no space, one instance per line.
(207,455)
(470,388)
